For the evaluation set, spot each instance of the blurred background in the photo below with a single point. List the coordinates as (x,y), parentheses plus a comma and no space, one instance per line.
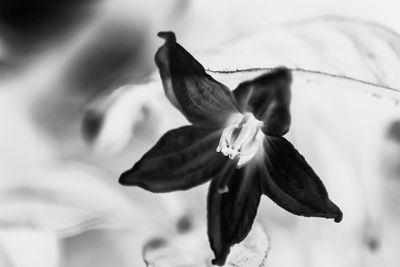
(81,101)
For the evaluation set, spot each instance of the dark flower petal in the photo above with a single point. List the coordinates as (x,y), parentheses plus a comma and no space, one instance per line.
(203,100)
(181,159)
(268,98)
(291,183)
(231,214)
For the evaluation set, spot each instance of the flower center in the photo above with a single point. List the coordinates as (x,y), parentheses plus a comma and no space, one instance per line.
(241,140)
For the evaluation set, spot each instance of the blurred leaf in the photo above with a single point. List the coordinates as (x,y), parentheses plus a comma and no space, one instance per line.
(67,200)
(27,247)
(192,250)
(335,45)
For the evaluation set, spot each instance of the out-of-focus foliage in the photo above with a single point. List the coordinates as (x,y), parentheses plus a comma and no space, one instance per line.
(191,250)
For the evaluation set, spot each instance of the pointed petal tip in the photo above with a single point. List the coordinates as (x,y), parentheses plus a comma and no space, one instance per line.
(336,213)
(123,179)
(168,36)
(218,261)
(127,178)
(339,217)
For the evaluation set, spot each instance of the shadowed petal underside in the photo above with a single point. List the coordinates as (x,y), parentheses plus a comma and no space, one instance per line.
(268,98)
(231,214)
(181,159)
(203,100)
(291,183)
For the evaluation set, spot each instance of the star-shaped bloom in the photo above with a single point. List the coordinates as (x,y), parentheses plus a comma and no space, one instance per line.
(235,140)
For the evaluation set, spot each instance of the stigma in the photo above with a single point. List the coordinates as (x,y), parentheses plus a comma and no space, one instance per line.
(242,139)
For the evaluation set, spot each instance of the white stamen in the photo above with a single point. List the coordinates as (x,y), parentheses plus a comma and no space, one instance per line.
(242,143)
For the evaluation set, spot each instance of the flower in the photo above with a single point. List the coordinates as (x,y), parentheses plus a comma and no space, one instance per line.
(235,140)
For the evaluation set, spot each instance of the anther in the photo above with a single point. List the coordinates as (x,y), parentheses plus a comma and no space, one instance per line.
(241,139)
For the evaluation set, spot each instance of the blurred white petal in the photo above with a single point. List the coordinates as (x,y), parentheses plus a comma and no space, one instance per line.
(120,113)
